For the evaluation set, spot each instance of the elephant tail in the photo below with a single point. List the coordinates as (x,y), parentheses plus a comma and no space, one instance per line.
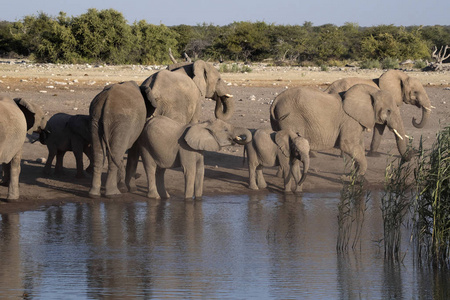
(105,132)
(244,155)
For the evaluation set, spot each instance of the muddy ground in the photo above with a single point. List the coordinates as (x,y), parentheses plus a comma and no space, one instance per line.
(70,89)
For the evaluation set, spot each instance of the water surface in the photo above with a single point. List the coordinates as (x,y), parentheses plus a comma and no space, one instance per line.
(258,246)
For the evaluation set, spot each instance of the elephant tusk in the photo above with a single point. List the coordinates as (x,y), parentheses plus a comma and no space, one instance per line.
(428,108)
(228,95)
(398,134)
(409,137)
(368,129)
(238,138)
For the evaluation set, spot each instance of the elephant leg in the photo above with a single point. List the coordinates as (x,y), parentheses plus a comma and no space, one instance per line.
(287,176)
(6,174)
(160,183)
(199,176)
(296,175)
(132,162)
(87,149)
(77,150)
(48,163)
(357,154)
(13,188)
(376,140)
(59,162)
(111,185)
(260,177)
(98,160)
(189,181)
(150,171)
(252,175)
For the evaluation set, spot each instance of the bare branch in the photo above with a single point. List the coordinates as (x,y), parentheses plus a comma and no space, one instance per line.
(171,56)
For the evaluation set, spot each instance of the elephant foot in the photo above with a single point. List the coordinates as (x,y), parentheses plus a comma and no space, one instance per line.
(373,154)
(113,195)
(288,192)
(153,196)
(94,193)
(12,199)
(198,198)
(253,187)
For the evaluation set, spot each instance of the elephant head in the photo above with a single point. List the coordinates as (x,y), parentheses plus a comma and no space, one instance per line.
(369,105)
(409,90)
(36,120)
(207,78)
(212,135)
(294,146)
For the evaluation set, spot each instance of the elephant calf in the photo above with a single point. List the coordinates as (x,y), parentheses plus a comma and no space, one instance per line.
(67,133)
(165,143)
(283,148)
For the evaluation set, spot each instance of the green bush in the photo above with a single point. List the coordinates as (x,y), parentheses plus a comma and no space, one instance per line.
(390,63)
(370,64)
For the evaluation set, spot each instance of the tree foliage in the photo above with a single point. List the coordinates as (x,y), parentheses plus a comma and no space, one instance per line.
(104,36)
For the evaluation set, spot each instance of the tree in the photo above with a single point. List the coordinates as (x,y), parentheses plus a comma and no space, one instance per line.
(153,42)
(103,36)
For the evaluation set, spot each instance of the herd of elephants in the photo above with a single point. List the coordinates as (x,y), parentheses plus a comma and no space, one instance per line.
(159,122)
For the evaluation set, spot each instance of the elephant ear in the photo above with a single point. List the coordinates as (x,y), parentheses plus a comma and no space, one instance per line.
(198,137)
(28,111)
(282,141)
(358,104)
(199,78)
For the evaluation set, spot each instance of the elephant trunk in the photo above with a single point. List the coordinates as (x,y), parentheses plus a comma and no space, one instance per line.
(243,136)
(425,116)
(305,161)
(224,107)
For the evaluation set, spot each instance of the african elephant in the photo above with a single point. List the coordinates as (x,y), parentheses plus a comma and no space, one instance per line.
(165,143)
(64,133)
(118,115)
(402,88)
(177,92)
(327,120)
(18,117)
(283,148)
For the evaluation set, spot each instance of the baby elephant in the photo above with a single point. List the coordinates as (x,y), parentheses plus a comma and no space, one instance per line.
(67,133)
(165,143)
(283,148)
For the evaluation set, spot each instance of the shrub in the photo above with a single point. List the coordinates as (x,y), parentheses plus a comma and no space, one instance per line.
(370,64)
(390,63)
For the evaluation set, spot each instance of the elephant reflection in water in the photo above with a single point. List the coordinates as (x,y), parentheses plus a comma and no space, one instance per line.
(11,273)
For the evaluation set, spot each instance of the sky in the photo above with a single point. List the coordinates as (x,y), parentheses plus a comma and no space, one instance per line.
(279,12)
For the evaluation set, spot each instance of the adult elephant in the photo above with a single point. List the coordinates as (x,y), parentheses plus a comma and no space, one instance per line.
(177,92)
(118,115)
(327,120)
(404,89)
(18,117)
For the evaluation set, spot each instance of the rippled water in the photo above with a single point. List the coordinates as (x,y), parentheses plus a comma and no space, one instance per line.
(262,246)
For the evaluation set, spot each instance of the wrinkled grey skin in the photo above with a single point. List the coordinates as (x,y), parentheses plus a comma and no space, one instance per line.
(165,143)
(178,91)
(283,148)
(64,133)
(118,116)
(404,89)
(18,117)
(327,120)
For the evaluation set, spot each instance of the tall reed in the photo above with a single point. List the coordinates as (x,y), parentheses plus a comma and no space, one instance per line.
(351,211)
(432,209)
(395,204)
